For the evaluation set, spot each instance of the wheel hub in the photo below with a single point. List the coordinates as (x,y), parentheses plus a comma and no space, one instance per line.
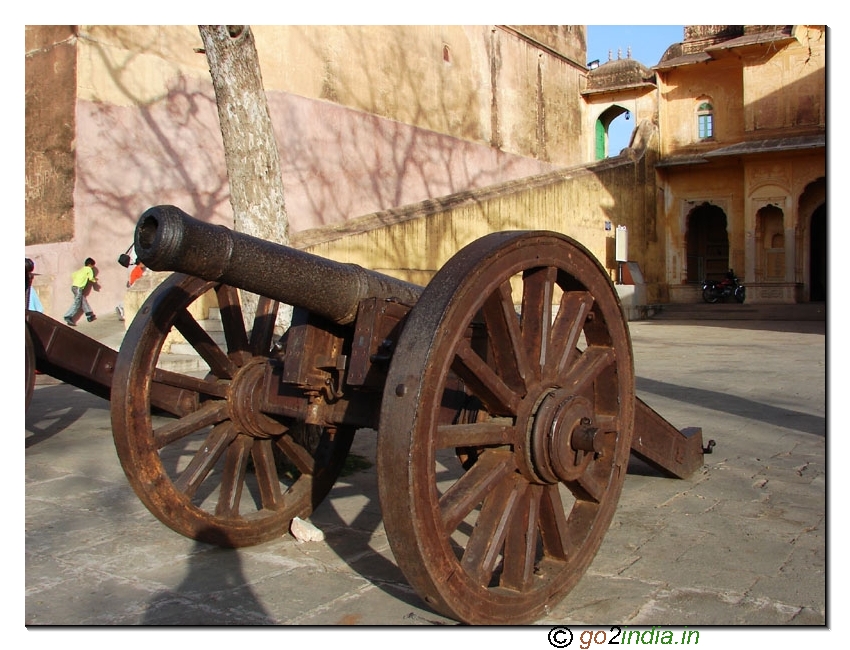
(562,439)
(243,399)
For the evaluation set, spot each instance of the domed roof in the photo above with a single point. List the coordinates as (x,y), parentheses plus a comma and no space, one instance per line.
(621,73)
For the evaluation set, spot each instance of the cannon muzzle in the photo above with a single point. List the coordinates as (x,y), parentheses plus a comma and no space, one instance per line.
(168,239)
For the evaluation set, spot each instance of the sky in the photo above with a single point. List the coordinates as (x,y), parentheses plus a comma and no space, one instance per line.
(647,42)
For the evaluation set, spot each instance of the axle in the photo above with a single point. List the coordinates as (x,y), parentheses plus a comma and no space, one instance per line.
(168,239)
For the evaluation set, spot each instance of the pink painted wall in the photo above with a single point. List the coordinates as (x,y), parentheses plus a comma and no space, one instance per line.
(337,163)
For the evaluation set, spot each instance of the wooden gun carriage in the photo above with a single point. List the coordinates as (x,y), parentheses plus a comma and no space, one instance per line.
(502,393)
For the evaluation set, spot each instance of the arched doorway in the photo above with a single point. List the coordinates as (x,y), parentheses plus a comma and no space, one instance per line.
(817,255)
(707,244)
(811,211)
(603,131)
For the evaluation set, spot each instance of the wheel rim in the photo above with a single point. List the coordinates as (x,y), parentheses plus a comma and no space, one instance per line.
(544,434)
(218,469)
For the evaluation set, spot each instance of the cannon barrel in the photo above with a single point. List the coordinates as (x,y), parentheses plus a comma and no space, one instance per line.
(168,239)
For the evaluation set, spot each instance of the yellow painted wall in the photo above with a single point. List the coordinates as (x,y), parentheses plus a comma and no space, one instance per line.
(414,242)
(757,93)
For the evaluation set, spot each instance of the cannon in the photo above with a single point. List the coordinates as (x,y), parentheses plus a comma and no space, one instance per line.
(502,394)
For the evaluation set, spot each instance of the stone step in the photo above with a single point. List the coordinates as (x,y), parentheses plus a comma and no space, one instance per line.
(186,364)
(183,358)
(213,322)
(810,311)
(211,327)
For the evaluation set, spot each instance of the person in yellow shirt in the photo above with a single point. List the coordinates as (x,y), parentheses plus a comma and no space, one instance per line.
(80,280)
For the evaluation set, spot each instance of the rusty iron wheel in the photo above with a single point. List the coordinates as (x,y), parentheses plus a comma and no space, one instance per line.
(196,447)
(495,511)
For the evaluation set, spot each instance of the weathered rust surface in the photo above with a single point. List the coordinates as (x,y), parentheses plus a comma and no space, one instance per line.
(494,509)
(503,394)
(248,452)
(677,453)
(66,354)
(168,239)
(378,326)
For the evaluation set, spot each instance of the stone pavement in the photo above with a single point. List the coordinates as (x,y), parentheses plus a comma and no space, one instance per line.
(742,542)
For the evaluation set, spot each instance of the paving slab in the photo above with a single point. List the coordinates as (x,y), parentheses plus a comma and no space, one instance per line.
(740,543)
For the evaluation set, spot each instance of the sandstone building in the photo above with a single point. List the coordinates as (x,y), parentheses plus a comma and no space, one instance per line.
(743,164)
(399,144)
(741,175)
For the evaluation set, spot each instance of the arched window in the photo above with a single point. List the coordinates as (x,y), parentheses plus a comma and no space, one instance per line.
(705,121)
(770,238)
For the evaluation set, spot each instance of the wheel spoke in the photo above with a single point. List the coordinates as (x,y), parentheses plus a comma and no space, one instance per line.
(233,477)
(505,340)
(299,456)
(219,363)
(267,478)
(470,489)
(189,383)
(592,362)
(587,488)
(481,555)
(536,323)
(205,458)
(553,524)
(484,382)
(567,330)
(520,550)
(591,486)
(606,423)
(262,332)
(209,413)
(235,336)
(479,434)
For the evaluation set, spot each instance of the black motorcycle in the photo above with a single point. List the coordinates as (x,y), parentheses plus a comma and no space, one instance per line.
(728,287)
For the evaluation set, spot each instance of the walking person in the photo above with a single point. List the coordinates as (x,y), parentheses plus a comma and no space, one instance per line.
(80,280)
(33,302)
(29,265)
(137,272)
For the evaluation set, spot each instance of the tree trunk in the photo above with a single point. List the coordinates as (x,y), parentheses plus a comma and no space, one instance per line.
(250,148)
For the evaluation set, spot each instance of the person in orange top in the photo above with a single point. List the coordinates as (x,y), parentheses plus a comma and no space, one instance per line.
(137,272)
